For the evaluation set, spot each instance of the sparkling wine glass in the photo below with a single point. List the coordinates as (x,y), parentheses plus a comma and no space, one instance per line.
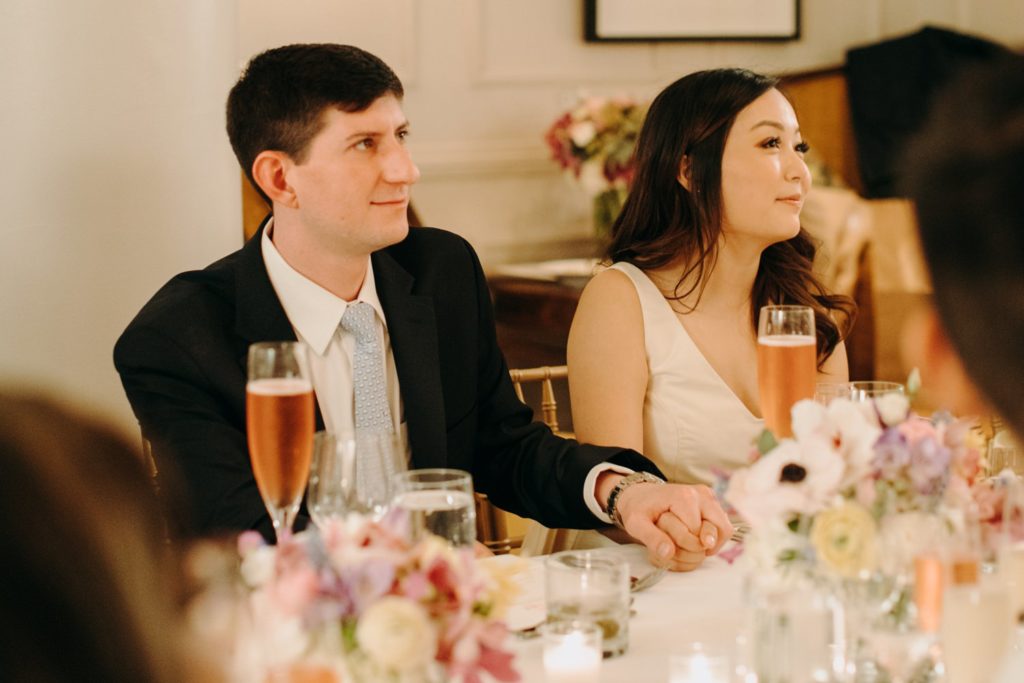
(786,363)
(438,501)
(280,424)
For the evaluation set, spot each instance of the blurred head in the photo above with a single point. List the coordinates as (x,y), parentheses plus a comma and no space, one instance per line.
(965,173)
(720,157)
(280,100)
(89,586)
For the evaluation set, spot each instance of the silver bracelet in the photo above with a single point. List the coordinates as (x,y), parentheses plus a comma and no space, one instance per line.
(622,485)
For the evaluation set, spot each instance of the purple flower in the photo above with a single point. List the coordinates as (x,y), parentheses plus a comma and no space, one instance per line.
(929,466)
(891,454)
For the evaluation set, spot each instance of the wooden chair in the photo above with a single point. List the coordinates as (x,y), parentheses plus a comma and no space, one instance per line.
(491,522)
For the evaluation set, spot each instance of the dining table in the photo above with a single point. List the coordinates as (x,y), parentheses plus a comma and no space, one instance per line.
(706,608)
(702,606)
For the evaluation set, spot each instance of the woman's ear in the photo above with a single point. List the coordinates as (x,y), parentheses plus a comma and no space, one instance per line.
(270,171)
(684,173)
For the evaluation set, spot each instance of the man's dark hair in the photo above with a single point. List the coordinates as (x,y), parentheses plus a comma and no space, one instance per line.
(965,173)
(278,102)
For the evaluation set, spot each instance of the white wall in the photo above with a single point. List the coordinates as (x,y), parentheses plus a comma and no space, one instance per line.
(485,78)
(115,175)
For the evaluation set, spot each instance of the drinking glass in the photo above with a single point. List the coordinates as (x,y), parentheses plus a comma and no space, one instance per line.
(279,425)
(977,628)
(786,363)
(870,390)
(826,392)
(331,492)
(379,456)
(591,585)
(438,501)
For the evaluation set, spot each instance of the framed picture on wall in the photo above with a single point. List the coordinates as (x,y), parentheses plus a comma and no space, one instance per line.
(678,20)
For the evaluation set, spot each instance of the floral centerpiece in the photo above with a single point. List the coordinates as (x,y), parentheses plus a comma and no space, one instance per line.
(860,487)
(593,142)
(359,602)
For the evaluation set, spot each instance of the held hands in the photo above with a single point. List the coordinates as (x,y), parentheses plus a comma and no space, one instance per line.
(680,524)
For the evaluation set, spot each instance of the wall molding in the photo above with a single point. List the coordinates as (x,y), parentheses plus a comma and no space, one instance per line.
(462,158)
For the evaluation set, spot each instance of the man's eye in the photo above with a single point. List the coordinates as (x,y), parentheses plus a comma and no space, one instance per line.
(403,135)
(366,143)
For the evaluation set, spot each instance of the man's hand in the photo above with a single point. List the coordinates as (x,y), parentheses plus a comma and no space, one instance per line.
(680,524)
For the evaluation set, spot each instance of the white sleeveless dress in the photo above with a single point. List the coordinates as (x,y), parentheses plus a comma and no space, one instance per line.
(693,422)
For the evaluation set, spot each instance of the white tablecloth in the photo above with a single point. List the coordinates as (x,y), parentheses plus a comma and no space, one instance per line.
(703,606)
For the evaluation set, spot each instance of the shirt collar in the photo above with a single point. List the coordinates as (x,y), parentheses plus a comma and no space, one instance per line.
(313,311)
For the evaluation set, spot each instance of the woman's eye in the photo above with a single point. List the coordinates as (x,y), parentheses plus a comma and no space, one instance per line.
(802,147)
(771,143)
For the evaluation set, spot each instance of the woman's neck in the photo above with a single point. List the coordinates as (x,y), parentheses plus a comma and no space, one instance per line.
(728,285)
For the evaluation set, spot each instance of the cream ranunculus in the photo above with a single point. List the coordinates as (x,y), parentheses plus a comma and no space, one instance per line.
(397,635)
(844,539)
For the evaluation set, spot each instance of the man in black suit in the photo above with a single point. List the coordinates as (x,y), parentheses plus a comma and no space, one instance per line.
(319,129)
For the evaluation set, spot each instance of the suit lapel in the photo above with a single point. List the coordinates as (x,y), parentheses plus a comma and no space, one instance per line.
(412,327)
(259,315)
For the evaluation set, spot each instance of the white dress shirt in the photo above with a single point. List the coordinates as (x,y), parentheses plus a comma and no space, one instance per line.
(315,315)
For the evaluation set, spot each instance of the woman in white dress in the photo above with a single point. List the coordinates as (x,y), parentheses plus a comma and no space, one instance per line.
(663,349)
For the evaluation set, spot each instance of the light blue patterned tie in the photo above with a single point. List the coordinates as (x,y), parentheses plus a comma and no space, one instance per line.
(370,387)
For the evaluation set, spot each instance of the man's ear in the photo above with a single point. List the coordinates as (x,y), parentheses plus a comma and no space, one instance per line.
(270,171)
(684,173)
(944,380)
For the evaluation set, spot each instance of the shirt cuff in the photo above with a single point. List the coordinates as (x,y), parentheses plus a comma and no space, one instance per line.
(590,488)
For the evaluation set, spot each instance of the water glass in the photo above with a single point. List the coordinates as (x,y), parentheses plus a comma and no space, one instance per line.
(572,651)
(977,628)
(786,363)
(826,392)
(862,392)
(438,501)
(379,456)
(332,478)
(591,585)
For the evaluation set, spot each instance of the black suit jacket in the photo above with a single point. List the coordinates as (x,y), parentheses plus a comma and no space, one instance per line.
(182,361)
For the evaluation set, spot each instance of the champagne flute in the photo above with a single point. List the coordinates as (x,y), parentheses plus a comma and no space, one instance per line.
(786,363)
(279,425)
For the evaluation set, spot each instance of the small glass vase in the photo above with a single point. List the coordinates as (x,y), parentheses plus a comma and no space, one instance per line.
(795,629)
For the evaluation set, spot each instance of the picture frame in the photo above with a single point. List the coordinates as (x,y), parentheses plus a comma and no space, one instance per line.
(690,20)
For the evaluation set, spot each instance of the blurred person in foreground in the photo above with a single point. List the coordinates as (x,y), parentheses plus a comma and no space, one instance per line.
(965,174)
(89,580)
(319,130)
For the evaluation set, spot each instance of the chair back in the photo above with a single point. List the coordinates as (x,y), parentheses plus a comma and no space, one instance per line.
(492,526)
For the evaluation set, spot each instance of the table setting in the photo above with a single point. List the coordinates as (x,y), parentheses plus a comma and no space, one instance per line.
(872,544)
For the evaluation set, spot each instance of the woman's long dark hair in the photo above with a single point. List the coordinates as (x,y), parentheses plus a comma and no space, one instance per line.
(662,220)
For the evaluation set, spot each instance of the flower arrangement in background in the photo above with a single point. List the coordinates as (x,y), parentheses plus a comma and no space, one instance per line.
(861,487)
(360,602)
(594,143)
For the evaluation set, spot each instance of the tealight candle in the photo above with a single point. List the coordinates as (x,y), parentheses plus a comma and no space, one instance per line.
(699,666)
(572,651)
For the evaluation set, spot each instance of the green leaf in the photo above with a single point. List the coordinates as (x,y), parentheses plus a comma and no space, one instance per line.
(766,441)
